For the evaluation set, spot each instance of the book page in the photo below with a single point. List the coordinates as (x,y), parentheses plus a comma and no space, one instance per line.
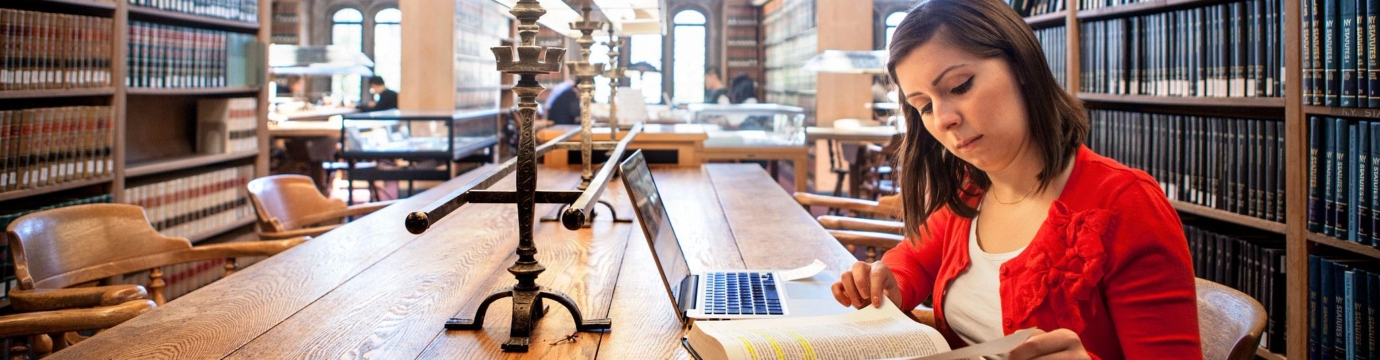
(867,333)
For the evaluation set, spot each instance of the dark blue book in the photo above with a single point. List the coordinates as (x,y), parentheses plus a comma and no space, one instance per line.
(1349,314)
(1353,184)
(1372,77)
(1279,174)
(1332,37)
(1372,298)
(1346,174)
(1314,306)
(1328,324)
(1363,186)
(1317,137)
(1360,317)
(1348,52)
(1374,191)
(1330,178)
(1339,324)
(1362,73)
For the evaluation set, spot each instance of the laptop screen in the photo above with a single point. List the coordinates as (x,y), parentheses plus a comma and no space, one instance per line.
(656,225)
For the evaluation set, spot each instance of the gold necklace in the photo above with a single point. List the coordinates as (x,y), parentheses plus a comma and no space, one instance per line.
(1027,194)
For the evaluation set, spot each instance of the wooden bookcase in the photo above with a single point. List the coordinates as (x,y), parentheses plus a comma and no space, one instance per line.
(742,50)
(1288,108)
(782,85)
(154,134)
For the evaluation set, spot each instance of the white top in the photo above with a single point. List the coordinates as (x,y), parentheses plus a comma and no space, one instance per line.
(972,304)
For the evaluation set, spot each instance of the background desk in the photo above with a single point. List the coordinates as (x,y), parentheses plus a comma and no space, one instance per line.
(371,289)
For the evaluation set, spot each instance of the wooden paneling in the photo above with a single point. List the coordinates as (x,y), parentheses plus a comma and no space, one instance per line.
(428,45)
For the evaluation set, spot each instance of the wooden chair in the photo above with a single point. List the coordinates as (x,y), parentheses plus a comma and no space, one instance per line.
(290,206)
(60,253)
(1229,321)
(874,233)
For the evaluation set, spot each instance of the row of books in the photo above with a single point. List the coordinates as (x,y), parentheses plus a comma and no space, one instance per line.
(238,10)
(227,125)
(1084,5)
(1054,41)
(1343,173)
(166,56)
(1036,7)
(192,205)
(43,50)
(287,24)
(1230,164)
(792,17)
(1224,50)
(1342,304)
(9,214)
(1249,262)
(1340,63)
(49,146)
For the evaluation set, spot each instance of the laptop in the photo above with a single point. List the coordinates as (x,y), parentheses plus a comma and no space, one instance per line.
(717,294)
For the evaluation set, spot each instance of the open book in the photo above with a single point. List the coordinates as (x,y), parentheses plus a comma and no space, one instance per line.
(870,333)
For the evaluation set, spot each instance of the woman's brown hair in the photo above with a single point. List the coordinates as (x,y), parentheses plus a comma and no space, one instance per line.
(932,178)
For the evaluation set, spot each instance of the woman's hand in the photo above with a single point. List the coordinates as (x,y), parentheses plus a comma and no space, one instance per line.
(865,285)
(1055,345)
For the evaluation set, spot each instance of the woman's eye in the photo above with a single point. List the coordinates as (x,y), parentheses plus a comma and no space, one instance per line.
(927,108)
(963,88)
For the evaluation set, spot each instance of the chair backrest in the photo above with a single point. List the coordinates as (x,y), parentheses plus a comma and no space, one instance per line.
(281,200)
(1229,321)
(48,244)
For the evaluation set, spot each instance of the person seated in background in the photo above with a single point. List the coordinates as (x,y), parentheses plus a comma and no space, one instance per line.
(387,99)
(742,89)
(714,90)
(1011,222)
(563,105)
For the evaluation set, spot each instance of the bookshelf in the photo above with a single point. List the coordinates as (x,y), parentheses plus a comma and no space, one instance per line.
(287,22)
(1287,107)
(742,42)
(152,131)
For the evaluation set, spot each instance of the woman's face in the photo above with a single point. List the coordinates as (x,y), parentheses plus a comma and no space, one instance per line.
(971,105)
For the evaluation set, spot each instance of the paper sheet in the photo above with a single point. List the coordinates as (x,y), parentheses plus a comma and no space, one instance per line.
(804,272)
(999,346)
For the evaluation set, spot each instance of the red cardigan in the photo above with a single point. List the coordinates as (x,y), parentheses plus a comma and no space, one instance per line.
(1110,263)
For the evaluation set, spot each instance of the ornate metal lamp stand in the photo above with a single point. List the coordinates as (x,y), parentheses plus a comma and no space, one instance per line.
(527,294)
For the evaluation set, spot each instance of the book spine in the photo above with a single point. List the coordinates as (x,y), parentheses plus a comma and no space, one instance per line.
(1348,52)
(1328,323)
(1361,218)
(1353,184)
(1372,78)
(1331,53)
(1374,190)
(1314,306)
(1348,331)
(1361,81)
(1339,323)
(1330,179)
(1346,164)
(1372,298)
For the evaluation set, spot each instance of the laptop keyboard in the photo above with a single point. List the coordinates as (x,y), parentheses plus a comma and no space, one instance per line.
(746,293)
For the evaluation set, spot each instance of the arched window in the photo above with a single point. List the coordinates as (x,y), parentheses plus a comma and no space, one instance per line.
(689,37)
(892,21)
(347,29)
(644,66)
(388,47)
(599,54)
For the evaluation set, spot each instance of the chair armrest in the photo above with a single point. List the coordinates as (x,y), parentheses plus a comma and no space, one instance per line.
(366,208)
(867,238)
(860,205)
(51,322)
(56,299)
(832,222)
(308,232)
(238,249)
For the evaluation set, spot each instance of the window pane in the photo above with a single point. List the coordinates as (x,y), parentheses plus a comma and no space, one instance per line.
(689,66)
(645,52)
(388,16)
(348,15)
(347,86)
(895,18)
(689,17)
(599,54)
(387,54)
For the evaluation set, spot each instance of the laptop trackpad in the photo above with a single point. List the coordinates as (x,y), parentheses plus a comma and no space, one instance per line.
(811,296)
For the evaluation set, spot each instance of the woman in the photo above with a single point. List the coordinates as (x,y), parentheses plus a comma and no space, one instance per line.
(1012,223)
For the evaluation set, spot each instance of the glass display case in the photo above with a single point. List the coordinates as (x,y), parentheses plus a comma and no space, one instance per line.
(415,144)
(440,135)
(739,125)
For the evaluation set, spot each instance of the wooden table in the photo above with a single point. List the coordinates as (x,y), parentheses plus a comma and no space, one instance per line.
(307,143)
(370,289)
(686,140)
(731,146)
